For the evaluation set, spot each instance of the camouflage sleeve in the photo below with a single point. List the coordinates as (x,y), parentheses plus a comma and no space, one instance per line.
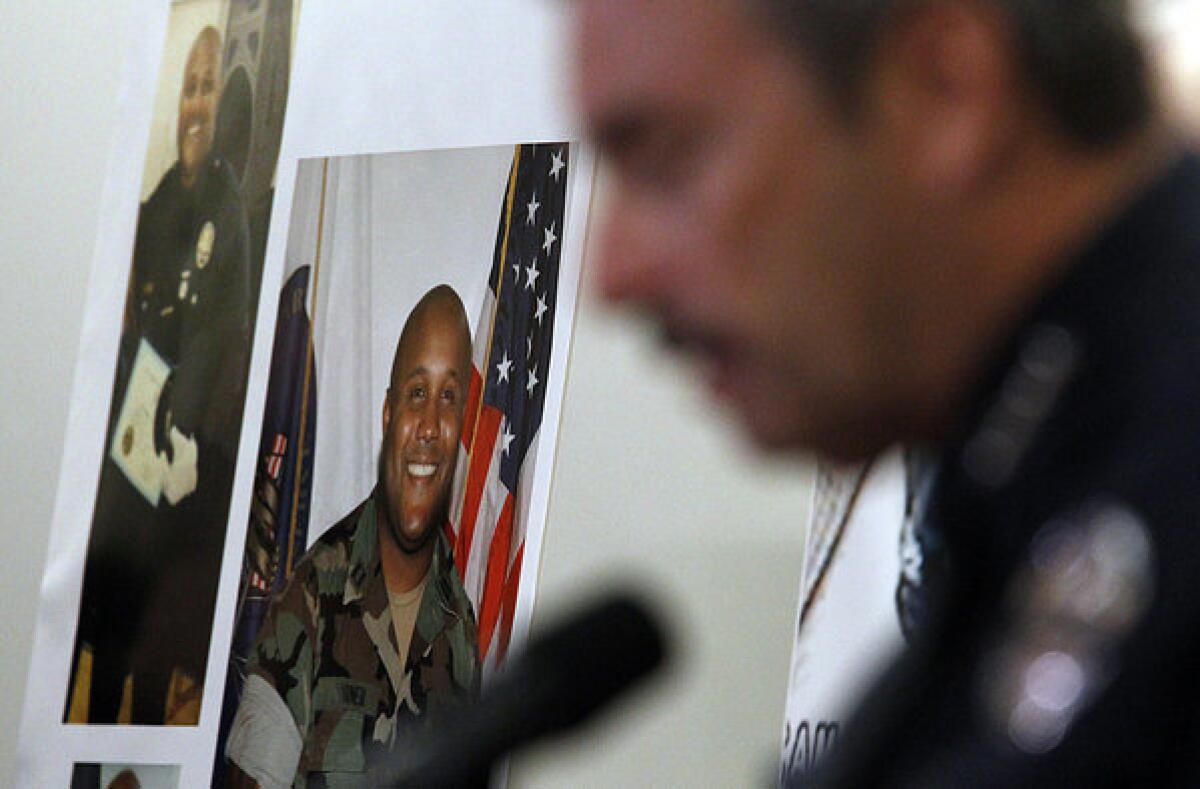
(283,653)
(266,739)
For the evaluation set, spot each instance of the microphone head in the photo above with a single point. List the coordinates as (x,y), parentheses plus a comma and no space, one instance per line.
(564,675)
(583,662)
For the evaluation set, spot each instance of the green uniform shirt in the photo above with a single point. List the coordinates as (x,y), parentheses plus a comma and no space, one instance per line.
(328,648)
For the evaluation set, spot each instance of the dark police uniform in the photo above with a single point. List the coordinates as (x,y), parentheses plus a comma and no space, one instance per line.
(151,572)
(1063,635)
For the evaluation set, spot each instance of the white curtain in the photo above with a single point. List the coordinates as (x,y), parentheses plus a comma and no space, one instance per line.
(344,463)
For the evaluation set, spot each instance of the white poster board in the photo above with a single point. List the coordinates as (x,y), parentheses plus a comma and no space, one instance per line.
(847,624)
(367,78)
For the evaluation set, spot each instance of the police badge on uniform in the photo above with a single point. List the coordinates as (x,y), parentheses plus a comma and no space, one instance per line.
(205,242)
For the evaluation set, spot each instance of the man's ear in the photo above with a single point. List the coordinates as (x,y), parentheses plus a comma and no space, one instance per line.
(943,87)
(387,409)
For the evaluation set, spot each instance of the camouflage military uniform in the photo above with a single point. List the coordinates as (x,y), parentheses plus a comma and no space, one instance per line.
(328,649)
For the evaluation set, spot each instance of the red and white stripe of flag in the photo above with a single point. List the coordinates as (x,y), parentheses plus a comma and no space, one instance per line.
(275,459)
(488,545)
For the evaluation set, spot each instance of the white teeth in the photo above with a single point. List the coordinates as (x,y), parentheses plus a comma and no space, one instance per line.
(421,469)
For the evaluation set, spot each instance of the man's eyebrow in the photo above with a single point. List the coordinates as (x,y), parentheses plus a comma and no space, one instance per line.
(617,129)
(413,373)
(423,370)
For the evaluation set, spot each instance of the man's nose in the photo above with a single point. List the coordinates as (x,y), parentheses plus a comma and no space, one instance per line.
(427,421)
(632,260)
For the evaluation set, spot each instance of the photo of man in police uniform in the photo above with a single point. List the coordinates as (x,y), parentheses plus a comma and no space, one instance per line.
(154,551)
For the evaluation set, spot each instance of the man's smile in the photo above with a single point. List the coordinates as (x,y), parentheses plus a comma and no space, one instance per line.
(422,470)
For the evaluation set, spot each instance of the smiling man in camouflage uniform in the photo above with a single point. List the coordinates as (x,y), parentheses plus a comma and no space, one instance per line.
(373,634)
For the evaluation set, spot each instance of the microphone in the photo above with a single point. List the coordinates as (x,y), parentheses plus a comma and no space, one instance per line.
(561,678)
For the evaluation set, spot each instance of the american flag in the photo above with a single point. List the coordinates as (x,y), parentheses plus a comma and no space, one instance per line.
(510,368)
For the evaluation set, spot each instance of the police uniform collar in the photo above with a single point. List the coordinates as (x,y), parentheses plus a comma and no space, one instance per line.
(1093,328)
(1084,308)
(210,168)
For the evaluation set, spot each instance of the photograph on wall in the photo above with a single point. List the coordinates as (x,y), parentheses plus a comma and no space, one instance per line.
(158,525)
(857,589)
(404,431)
(87,775)
(250,284)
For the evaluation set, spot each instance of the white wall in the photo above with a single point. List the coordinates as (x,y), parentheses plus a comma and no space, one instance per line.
(648,487)
(56,127)
(635,491)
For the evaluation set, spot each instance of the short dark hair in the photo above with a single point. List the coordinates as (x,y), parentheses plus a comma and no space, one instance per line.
(1083,57)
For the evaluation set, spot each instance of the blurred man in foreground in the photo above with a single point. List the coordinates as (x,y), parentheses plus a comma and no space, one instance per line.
(958,224)
(373,634)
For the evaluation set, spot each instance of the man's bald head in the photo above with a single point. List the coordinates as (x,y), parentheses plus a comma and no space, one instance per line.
(198,100)
(442,311)
(208,39)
